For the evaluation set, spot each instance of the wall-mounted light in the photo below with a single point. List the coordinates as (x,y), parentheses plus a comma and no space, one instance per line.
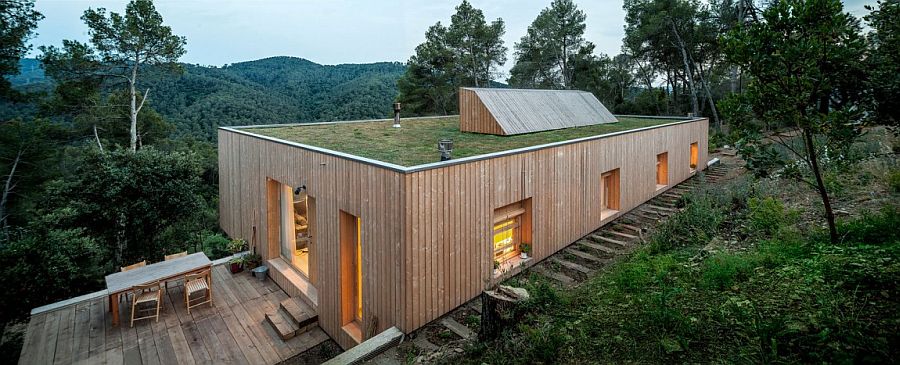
(299,189)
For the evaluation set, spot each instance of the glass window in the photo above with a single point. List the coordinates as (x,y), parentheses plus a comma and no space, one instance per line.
(506,239)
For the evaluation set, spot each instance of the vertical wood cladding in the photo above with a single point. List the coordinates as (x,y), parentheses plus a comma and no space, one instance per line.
(427,234)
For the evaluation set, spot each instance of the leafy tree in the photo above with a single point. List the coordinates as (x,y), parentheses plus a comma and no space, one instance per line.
(428,86)
(44,265)
(806,62)
(477,46)
(548,53)
(884,60)
(18,19)
(26,148)
(679,37)
(122,46)
(463,54)
(126,200)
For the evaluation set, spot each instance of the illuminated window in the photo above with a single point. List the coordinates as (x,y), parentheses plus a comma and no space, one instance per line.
(694,156)
(509,230)
(662,170)
(506,239)
(609,193)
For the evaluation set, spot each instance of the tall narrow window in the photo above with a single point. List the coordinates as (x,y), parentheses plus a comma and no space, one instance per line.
(351,275)
(694,156)
(662,170)
(609,193)
(295,207)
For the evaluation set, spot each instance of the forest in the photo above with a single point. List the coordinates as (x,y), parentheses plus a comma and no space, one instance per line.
(267,91)
(108,156)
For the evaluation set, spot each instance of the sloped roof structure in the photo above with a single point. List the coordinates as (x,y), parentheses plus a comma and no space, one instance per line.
(517,111)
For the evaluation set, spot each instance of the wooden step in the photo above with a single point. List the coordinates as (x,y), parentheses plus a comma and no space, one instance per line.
(602,239)
(598,247)
(620,234)
(457,328)
(571,265)
(560,277)
(300,313)
(628,226)
(586,256)
(283,326)
(662,208)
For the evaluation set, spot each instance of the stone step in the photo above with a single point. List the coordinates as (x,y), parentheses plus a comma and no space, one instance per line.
(571,265)
(283,326)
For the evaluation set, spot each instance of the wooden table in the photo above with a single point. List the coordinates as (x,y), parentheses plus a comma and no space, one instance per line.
(121,282)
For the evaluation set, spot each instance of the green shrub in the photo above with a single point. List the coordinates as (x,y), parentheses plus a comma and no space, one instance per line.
(768,216)
(695,225)
(894,180)
(872,228)
(215,246)
(723,270)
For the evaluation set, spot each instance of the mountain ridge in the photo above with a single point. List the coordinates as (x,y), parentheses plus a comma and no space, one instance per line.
(272,90)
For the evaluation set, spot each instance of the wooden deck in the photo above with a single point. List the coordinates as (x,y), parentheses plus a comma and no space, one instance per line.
(232,332)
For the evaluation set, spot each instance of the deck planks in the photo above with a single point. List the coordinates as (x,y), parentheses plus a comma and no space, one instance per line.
(230,332)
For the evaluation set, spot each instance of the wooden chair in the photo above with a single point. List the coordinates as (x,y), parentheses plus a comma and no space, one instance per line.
(131,267)
(197,283)
(134,266)
(172,257)
(147,293)
(176,255)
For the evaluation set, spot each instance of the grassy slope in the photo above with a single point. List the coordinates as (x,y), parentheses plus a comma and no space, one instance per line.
(736,277)
(416,142)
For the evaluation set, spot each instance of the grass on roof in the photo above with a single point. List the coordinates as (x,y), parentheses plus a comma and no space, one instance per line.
(416,142)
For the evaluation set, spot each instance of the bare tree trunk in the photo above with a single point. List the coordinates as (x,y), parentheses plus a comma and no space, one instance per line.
(820,184)
(688,76)
(712,104)
(133,115)
(97,137)
(8,187)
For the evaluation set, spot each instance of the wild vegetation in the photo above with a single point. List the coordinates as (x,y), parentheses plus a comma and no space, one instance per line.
(738,276)
(107,159)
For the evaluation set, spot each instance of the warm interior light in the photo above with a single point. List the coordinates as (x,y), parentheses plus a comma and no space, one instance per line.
(505,239)
(358,269)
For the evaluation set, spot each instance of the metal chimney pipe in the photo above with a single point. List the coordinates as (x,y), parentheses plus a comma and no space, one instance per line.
(445,147)
(396,115)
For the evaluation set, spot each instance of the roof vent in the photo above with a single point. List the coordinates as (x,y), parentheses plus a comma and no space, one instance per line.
(396,115)
(445,146)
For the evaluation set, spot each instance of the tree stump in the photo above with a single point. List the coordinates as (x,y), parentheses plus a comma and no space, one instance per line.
(498,308)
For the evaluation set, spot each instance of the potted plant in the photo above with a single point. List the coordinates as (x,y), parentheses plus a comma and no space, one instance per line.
(525,250)
(236,264)
(252,261)
(496,265)
(236,245)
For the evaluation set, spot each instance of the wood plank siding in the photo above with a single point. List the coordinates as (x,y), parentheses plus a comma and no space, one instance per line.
(426,232)
(474,116)
(516,111)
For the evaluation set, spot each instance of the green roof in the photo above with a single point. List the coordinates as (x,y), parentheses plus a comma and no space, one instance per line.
(416,142)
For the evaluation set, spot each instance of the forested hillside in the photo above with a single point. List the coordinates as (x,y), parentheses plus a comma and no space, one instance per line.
(267,91)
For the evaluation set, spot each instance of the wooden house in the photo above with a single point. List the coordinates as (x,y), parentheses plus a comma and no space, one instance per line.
(365,223)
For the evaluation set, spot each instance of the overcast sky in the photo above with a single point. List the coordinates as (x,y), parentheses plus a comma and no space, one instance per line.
(327,31)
